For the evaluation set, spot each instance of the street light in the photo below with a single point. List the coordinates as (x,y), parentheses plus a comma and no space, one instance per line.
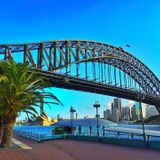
(72,110)
(97,105)
(141,97)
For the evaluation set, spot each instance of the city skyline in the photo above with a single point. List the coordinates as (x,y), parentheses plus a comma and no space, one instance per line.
(139,29)
(129,112)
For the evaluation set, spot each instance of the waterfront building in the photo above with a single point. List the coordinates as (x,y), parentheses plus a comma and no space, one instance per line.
(133,113)
(144,106)
(76,115)
(114,113)
(117,103)
(126,113)
(41,120)
(116,110)
(137,109)
(107,114)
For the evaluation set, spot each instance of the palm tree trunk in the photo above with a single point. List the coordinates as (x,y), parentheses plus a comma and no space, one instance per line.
(1,128)
(7,136)
(7,133)
(1,132)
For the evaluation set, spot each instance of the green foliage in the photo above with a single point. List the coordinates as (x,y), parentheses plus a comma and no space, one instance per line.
(153,120)
(22,89)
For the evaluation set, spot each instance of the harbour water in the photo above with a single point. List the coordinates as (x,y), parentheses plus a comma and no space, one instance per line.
(120,131)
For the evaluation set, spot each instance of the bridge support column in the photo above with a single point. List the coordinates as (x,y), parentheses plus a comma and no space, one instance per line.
(158,108)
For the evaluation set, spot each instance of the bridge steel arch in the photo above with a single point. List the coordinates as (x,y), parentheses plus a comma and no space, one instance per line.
(52,56)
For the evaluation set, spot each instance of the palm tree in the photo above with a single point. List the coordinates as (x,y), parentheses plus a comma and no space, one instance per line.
(21,89)
(1,127)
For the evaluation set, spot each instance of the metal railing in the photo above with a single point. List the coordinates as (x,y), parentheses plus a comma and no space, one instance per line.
(106,132)
(119,134)
(31,135)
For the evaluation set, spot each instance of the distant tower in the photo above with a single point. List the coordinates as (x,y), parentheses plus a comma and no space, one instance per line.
(137,111)
(72,110)
(76,115)
(134,113)
(126,113)
(116,110)
(107,114)
(117,104)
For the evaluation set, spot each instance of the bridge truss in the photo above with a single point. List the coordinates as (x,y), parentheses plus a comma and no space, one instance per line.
(88,66)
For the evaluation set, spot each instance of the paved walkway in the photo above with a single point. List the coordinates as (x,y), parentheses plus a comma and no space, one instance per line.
(76,150)
(20,144)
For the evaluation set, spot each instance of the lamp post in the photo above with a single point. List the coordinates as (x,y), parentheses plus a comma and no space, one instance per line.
(140,98)
(96,106)
(72,110)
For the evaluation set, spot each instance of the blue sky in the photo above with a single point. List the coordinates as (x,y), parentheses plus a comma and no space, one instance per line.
(118,22)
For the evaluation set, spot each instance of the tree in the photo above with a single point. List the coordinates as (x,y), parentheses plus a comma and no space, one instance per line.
(21,89)
(1,127)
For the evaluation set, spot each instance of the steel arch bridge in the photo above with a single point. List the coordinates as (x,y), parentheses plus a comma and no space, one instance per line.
(89,66)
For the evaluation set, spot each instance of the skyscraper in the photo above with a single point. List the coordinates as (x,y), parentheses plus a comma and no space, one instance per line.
(137,111)
(117,103)
(107,114)
(134,113)
(126,113)
(116,110)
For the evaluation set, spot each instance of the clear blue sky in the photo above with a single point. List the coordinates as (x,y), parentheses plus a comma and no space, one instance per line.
(118,22)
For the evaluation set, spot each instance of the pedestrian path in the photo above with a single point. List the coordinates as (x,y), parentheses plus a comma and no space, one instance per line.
(22,145)
(75,150)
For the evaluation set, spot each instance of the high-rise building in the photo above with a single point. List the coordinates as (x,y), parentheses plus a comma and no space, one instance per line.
(151,111)
(144,109)
(107,114)
(131,104)
(117,103)
(137,111)
(116,110)
(126,113)
(133,113)
(76,115)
